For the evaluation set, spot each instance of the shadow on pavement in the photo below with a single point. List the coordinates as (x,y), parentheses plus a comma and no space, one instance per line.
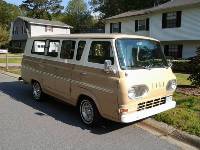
(59,111)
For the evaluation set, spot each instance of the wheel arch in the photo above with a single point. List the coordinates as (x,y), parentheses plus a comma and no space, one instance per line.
(92,98)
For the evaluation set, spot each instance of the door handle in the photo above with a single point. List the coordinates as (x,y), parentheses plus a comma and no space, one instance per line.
(83,73)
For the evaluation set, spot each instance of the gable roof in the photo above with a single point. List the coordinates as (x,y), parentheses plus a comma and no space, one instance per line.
(170,4)
(44,22)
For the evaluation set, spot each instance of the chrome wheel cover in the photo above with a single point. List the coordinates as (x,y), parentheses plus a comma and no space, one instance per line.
(87,111)
(36,91)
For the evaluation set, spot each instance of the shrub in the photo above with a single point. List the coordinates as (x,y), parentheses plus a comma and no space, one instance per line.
(15,50)
(181,66)
(195,68)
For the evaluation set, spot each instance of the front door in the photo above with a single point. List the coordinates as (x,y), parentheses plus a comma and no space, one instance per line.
(90,76)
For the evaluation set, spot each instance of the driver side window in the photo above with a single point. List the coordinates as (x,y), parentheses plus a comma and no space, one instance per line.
(100,51)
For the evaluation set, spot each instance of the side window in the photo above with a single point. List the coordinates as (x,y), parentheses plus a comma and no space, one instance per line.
(53,48)
(81,46)
(100,51)
(38,47)
(67,49)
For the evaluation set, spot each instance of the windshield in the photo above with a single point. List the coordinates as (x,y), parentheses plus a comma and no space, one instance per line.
(140,53)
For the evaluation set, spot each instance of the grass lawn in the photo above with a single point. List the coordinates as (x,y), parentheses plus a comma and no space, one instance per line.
(17,58)
(186,115)
(11,60)
(183,79)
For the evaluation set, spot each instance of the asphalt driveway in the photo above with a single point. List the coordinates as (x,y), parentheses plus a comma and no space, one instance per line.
(25,124)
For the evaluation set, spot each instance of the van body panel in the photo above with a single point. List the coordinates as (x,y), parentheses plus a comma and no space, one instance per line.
(68,79)
(103,86)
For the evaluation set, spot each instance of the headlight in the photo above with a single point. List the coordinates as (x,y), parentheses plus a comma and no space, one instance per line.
(171,85)
(137,91)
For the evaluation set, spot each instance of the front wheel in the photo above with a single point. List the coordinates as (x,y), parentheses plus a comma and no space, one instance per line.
(37,91)
(88,112)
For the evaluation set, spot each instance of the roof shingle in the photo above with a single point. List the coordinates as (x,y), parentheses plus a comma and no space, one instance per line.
(170,4)
(44,22)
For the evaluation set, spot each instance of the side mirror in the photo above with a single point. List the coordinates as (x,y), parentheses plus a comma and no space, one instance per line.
(169,62)
(108,67)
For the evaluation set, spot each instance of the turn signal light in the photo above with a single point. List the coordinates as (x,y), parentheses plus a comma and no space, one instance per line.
(122,110)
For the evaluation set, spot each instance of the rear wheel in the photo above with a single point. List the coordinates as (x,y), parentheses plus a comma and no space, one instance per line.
(37,91)
(88,112)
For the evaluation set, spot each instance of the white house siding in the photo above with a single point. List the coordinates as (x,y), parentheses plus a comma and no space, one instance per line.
(37,30)
(189,29)
(189,49)
(127,26)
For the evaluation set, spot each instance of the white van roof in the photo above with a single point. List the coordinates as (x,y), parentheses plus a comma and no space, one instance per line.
(94,36)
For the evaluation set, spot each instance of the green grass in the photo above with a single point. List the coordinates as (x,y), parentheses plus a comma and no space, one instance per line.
(186,116)
(17,58)
(12,55)
(11,60)
(183,79)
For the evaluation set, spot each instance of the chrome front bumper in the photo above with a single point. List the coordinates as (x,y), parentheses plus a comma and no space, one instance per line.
(138,115)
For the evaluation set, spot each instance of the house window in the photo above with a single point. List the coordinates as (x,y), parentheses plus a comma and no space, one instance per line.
(15,30)
(142,25)
(173,50)
(171,20)
(48,29)
(115,27)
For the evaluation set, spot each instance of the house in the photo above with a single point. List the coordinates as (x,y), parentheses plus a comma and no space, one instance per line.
(175,23)
(24,27)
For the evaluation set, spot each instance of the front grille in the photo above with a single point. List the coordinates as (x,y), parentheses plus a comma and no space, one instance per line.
(151,103)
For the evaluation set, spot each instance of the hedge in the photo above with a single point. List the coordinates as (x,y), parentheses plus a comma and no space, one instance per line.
(181,66)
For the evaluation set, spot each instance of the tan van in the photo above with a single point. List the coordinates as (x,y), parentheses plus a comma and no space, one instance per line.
(123,78)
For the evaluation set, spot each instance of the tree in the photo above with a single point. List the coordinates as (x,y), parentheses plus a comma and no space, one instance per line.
(41,9)
(108,8)
(77,15)
(8,13)
(4,36)
(195,67)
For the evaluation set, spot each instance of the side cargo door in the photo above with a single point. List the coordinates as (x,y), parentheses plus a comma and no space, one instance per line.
(64,70)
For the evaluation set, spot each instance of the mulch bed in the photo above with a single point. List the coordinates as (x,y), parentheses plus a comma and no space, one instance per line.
(188,90)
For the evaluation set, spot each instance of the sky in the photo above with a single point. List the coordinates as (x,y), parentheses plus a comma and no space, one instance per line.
(18,2)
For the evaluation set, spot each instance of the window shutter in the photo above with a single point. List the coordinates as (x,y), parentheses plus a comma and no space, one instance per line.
(120,27)
(166,50)
(180,51)
(136,25)
(178,18)
(164,20)
(147,24)
(45,28)
(111,25)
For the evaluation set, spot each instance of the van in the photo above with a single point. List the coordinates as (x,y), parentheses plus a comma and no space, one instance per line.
(119,77)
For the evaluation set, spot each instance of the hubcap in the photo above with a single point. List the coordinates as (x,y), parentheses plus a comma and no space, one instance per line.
(87,112)
(36,91)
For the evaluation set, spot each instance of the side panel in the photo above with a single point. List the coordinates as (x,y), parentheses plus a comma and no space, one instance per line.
(53,76)
(100,85)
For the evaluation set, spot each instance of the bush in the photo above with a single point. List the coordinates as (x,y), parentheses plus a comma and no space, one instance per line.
(15,50)
(195,68)
(181,66)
